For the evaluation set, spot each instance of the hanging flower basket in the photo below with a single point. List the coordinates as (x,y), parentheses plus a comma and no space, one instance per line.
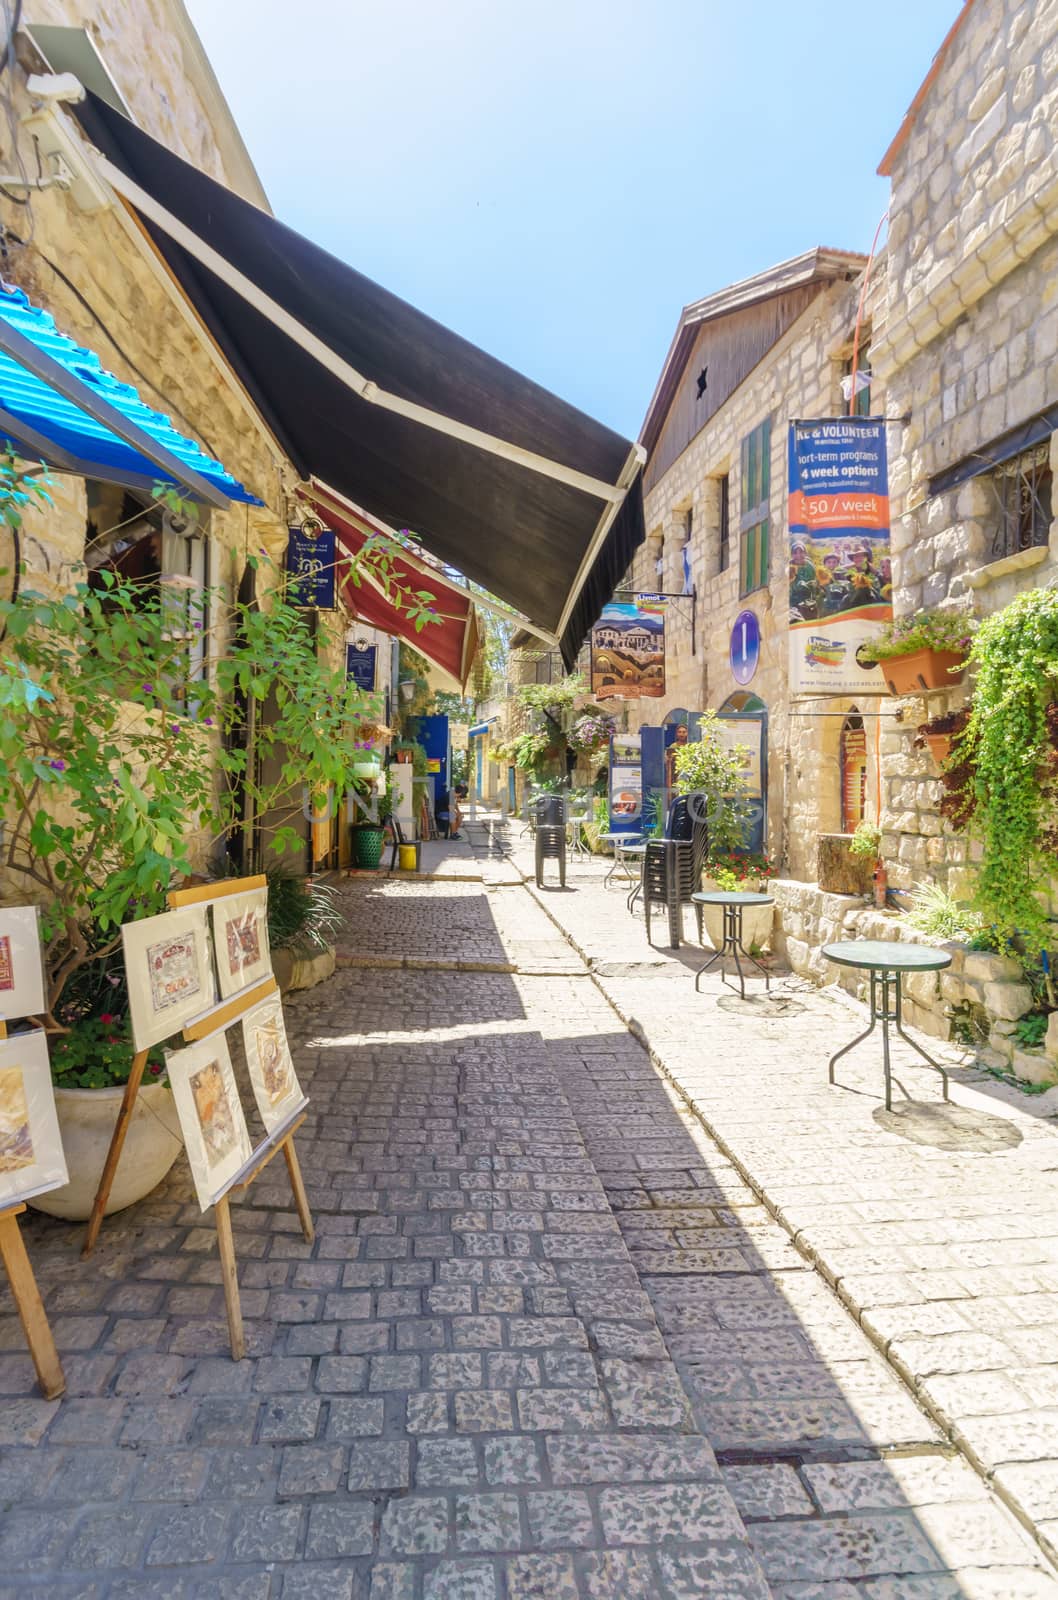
(923,671)
(939,734)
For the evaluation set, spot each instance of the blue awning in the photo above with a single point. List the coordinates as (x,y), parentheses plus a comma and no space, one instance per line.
(60,405)
(481,727)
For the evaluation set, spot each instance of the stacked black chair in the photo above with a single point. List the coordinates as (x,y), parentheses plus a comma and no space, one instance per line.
(550,812)
(672,866)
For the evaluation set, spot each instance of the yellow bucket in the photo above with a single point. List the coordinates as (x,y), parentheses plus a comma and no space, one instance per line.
(407,853)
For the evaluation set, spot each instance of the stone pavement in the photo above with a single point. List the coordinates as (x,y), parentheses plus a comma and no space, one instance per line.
(548,1341)
(937,1226)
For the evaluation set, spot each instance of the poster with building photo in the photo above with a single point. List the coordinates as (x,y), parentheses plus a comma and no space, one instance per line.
(628,651)
(169,971)
(211,1115)
(841,588)
(273,1079)
(22,992)
(240,935)
(31,1153)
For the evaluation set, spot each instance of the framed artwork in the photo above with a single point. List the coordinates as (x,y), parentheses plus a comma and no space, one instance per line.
(21,966)
(211,1115)
(169,971)
(31,1154)
(275,1086)
(240,935)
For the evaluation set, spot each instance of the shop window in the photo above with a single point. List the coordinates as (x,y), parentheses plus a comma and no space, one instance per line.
(724,548)
(164,558)
(755,523)
(1023,492)
(860,403)
(853,769)
(685,553)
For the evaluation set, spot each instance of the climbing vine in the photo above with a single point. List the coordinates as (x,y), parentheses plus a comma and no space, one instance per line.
(1011,748)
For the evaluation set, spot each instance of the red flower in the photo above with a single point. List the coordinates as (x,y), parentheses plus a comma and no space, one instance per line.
(106,1016)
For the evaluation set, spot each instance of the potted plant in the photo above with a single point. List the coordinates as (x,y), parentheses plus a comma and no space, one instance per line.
(90,1065)
(866,845)
(373,804)
(304,920)
(939,732)
(739,872)
(923,652)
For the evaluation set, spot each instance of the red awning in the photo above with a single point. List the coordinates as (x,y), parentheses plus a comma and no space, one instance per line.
(449,644)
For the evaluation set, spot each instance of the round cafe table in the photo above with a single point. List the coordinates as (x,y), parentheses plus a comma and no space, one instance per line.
(623,844)
(733,903)
(886,961)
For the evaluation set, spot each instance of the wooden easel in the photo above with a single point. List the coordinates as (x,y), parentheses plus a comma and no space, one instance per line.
(26,1295)
(219,1016)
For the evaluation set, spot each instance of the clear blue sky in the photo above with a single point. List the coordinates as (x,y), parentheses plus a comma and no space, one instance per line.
(555,179)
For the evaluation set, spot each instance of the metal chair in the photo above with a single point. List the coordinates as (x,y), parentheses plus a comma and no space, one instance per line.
(672,868)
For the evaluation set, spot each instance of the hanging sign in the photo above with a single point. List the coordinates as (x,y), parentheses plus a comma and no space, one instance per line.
(628,651)
(744,653)
(360,665)
(311,560)
(841,586)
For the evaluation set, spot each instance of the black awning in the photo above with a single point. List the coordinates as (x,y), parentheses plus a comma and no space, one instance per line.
(518,490)
(1004,448)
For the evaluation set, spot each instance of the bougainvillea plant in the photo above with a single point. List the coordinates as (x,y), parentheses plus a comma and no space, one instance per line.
(121,761)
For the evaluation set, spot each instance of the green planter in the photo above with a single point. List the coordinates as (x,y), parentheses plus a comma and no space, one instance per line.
(367,843)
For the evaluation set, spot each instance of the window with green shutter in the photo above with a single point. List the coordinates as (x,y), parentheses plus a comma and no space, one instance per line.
(755,503)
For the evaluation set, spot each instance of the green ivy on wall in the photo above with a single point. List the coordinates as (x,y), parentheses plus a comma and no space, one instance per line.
(1011,743)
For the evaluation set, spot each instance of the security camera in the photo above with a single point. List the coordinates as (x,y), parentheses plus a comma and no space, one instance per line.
(55,88)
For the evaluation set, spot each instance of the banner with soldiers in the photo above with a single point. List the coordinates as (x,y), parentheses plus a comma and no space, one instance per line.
(841,587)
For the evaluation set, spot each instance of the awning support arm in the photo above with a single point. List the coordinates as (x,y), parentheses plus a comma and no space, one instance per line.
(633,465)
(363,387)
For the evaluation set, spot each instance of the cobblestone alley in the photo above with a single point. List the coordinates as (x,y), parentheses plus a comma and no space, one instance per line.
(549,1341)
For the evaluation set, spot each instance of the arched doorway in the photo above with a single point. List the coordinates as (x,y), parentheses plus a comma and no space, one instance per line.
(852,767)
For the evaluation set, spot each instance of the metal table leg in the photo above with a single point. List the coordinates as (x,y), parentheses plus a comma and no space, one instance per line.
(886,1008)
(732,942)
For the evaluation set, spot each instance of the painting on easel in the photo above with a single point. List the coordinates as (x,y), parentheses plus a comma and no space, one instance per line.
(211,1115)
(31,1154)
(170,974)
(21,967)
(275,1085)
(240,936)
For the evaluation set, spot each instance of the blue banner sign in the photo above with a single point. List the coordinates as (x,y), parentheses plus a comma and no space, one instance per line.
(311,568)
(841,586)
(360,665)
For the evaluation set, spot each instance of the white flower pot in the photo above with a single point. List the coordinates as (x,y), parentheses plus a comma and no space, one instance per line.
(756,920)
(86,1122)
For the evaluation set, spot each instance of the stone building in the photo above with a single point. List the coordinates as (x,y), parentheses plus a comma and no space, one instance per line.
(743,363)
(966,345)
(968,351)
(78,254)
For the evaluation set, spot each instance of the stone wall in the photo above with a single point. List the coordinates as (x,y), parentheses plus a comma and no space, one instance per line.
(978,999)
(800,377)
(969,350)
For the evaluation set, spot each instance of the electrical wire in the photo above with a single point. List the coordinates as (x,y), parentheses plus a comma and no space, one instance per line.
(192,428)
